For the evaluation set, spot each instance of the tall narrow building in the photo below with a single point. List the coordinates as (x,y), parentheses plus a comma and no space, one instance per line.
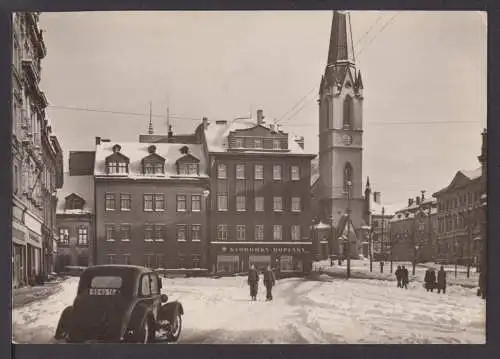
(341,132)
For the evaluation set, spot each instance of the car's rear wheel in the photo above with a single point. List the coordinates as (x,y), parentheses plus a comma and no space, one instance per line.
(175,328)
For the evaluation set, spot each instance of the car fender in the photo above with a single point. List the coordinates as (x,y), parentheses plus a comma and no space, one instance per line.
(137,316)
(65,322)
(169,311)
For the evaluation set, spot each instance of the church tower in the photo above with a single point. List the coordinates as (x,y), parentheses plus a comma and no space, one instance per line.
(341,128)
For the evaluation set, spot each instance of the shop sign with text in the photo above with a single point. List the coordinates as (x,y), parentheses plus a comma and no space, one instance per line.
(263,250)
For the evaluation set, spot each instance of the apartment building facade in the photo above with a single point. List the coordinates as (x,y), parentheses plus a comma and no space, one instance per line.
(260,210)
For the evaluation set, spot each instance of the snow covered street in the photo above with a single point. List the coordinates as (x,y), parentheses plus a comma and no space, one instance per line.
(303,311)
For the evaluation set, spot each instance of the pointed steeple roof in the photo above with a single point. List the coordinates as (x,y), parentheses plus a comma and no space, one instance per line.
(368,183)
(341,47)
(359,81)
(150,126)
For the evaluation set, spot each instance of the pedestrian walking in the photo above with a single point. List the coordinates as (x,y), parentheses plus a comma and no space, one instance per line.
(269,282)
(399,276)
(441,280)
(430,279)
(404,279)
(253,282)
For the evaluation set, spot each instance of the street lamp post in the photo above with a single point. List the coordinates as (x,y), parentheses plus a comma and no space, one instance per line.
(349,185)
(469,239)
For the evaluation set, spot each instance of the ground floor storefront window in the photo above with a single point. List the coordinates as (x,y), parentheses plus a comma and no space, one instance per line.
(228,264)
(18,265)
(260,262)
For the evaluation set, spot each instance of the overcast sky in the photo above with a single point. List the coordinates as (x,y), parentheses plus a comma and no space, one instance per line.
(417,68)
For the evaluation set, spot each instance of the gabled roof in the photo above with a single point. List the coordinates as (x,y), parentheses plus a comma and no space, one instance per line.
(136,151)
(461,178)
(81,186)
(188,158)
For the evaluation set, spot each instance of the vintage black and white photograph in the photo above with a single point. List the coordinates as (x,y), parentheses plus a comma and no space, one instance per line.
(249,177)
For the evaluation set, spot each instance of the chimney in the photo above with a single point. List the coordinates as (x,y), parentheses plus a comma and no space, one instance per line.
(410,201)
(170,132)
(376,197)
(260,117)
(221,122)
(272,127)
(97,140)
(205,123)
(300,141)
(417,199)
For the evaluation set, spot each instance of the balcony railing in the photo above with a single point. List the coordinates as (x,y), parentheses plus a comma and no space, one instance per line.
(31,68)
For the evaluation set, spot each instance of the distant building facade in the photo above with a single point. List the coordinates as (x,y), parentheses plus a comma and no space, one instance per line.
(260,209)
(413,231)
(150,203)
(459,218)
(36,157)
(75,221)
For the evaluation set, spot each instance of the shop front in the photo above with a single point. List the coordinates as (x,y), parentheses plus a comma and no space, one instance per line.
(18,255)
(285,259)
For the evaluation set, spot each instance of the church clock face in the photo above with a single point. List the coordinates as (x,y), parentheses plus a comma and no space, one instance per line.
(347,139)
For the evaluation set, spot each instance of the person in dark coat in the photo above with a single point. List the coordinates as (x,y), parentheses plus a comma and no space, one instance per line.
(441,280)
(398,276)
(269,282)
(404,278)
(430,279)
(253,282)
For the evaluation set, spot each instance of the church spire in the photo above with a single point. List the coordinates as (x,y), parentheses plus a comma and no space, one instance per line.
(341,48)
(150,126)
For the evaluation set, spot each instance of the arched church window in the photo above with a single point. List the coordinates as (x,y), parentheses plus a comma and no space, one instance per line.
(347,115)
(347,176)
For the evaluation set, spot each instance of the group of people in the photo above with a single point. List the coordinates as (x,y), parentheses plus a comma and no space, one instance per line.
(269,282)
(430,280)
(402,277)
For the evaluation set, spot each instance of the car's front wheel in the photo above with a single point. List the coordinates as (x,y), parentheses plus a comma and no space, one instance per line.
(146,332)
(175,328)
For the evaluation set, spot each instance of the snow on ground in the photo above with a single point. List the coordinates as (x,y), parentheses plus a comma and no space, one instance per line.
(303,311)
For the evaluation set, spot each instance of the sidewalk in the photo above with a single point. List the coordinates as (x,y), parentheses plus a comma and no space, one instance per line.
(27,295)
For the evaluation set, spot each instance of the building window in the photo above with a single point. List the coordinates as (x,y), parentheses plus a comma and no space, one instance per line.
(238,143)
(347,176)
(286,264)
(196,261)
(295,173)
(181,260)
(125,232)
(15,180)
(111,259)
(240,171)
(148,232)
(181,233)
(276,145)
(222,202)
(110,201)
(222,171)
(148,263)
(222,232)
(257,143)
(159,232)
(277,204)
(187,169)
(181,203)
(277,172)
(347,115)
(110,232)
(125,201)
(153,168)
(259,172)
(159,261)
(196,203)
(64,236)
(295,204)
(159,202)
(277,232)
(196,232)
(148,202)
(240,232)
(83,236)
(295,232)
(117,167)
(126,259)
(259,232)
(241,203)
(259,204)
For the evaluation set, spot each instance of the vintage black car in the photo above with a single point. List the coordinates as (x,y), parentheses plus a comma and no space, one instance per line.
(120,303)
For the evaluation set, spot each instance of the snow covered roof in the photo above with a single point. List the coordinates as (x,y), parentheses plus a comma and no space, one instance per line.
(376,208)
(137,151)
(216,135)
(82,186)
(472,174)
(461,178)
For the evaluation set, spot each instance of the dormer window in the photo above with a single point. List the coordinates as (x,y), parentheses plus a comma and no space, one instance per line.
(117,163)
(257,143)
(154,163)
(238,143)
(276,145)
(74,201)
(188,165)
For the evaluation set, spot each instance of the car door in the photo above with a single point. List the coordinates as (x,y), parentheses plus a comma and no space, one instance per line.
(145,296)
(155,294)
